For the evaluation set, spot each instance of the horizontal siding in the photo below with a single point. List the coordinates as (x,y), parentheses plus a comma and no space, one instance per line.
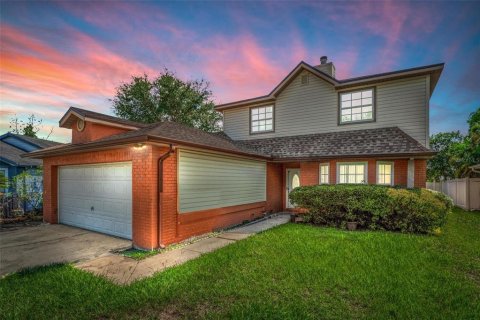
(306,109)
(208,181)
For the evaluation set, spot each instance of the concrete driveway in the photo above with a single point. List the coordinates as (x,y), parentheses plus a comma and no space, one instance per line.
(45,244)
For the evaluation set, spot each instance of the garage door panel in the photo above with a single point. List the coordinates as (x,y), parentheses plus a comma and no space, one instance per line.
(107,188)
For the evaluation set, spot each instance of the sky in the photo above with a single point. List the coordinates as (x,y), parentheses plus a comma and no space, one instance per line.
(60,54)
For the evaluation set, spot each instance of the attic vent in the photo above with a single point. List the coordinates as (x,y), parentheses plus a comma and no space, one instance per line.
(305,79)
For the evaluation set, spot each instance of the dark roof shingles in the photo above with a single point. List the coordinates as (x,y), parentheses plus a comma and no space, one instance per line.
(13,155)
(42,143)
(105,117)
(382,141)
(367,142)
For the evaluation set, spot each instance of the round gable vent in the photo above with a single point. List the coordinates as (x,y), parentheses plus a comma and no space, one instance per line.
(80,125)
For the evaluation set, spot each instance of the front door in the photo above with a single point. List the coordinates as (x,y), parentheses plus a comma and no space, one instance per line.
(293,181)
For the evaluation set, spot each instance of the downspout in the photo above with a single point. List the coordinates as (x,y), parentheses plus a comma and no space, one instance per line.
(160,189)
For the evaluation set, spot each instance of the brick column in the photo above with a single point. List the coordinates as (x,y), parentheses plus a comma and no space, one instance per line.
(420,176)
(400,172)
(144,192)
(372,171)
(274,187)
(168,210)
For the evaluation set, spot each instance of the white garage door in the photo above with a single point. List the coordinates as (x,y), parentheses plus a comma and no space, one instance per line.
(208,181)
(97,197)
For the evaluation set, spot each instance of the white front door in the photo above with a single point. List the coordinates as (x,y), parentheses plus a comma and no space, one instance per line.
(293,181)
(97,197)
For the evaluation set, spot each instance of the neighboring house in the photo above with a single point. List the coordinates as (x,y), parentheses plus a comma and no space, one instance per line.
(12,146)
(161,183)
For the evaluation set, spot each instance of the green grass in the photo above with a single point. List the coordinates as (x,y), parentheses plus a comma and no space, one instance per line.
(293,271)
(138,254)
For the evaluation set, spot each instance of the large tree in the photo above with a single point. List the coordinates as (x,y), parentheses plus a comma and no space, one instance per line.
(456,153)
(167,98)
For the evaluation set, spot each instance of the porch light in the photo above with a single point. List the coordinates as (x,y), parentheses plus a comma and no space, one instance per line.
(139,146)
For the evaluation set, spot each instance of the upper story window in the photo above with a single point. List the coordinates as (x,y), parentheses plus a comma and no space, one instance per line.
(261,119)
(356,106)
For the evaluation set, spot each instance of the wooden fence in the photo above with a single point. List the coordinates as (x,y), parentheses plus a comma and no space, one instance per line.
(464,192)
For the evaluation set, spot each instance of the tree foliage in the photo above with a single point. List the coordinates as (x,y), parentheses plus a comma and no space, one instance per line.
(28,187)
(29,127)
(456,152)
(167,98)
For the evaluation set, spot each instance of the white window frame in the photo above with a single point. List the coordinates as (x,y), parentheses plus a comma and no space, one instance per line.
(325,164)
(392,173)
(264,120)
(365,171)
(364,105)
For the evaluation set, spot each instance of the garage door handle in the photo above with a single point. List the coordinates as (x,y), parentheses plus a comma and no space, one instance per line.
(92,208)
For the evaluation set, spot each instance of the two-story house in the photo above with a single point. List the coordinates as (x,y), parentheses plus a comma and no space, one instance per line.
(161,183)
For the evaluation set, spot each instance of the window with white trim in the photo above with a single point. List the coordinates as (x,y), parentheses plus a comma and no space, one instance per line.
(356,106)
(324,173)
(354,172)
(261,119)
(385,173)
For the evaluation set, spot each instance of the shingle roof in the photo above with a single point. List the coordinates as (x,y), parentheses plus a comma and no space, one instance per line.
(42,143)
(103,117)
(367,142)
(167,132)
(12,156)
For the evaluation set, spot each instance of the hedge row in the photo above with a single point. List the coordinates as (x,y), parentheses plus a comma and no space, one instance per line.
(373,207)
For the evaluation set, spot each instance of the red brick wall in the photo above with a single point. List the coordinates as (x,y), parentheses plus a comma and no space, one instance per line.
(93,131)
(199,222)
(420,177)
(400,172)
(177,226)
(144,186)
(274,187)
(168,211)
(309,172)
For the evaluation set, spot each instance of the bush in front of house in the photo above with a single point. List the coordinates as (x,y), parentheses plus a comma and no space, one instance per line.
(373,207)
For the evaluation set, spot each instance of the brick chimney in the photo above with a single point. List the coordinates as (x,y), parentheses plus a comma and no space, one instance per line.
(326,67)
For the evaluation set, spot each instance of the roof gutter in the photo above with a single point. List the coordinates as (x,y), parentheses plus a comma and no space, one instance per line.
(78,148)
(426,155)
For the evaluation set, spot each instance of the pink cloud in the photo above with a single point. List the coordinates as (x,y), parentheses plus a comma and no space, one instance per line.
(239,68)
(396,22)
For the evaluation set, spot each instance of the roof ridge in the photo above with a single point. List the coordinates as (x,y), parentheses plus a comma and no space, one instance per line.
(85,112)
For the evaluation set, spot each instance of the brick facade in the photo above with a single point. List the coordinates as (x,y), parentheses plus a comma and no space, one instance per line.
(94,131)
(420,173)
(174,227)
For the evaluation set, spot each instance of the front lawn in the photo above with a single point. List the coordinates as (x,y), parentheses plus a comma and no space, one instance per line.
(293,271)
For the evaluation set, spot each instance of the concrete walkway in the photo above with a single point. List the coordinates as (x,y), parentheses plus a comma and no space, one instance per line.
(123,270)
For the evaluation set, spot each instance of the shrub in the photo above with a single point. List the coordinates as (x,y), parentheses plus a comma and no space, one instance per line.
(373,207)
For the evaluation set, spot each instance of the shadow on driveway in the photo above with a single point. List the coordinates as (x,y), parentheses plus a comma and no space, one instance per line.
(45,244)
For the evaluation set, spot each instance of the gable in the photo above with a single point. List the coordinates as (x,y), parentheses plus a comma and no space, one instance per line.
(94,131)
(432,71)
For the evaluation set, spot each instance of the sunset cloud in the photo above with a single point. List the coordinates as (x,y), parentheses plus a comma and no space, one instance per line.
(54,55)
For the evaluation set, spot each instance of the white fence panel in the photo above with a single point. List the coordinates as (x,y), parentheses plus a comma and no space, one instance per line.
(464,192)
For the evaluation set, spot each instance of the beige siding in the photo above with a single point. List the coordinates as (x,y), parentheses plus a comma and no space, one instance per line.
(305,109)
(208,181)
